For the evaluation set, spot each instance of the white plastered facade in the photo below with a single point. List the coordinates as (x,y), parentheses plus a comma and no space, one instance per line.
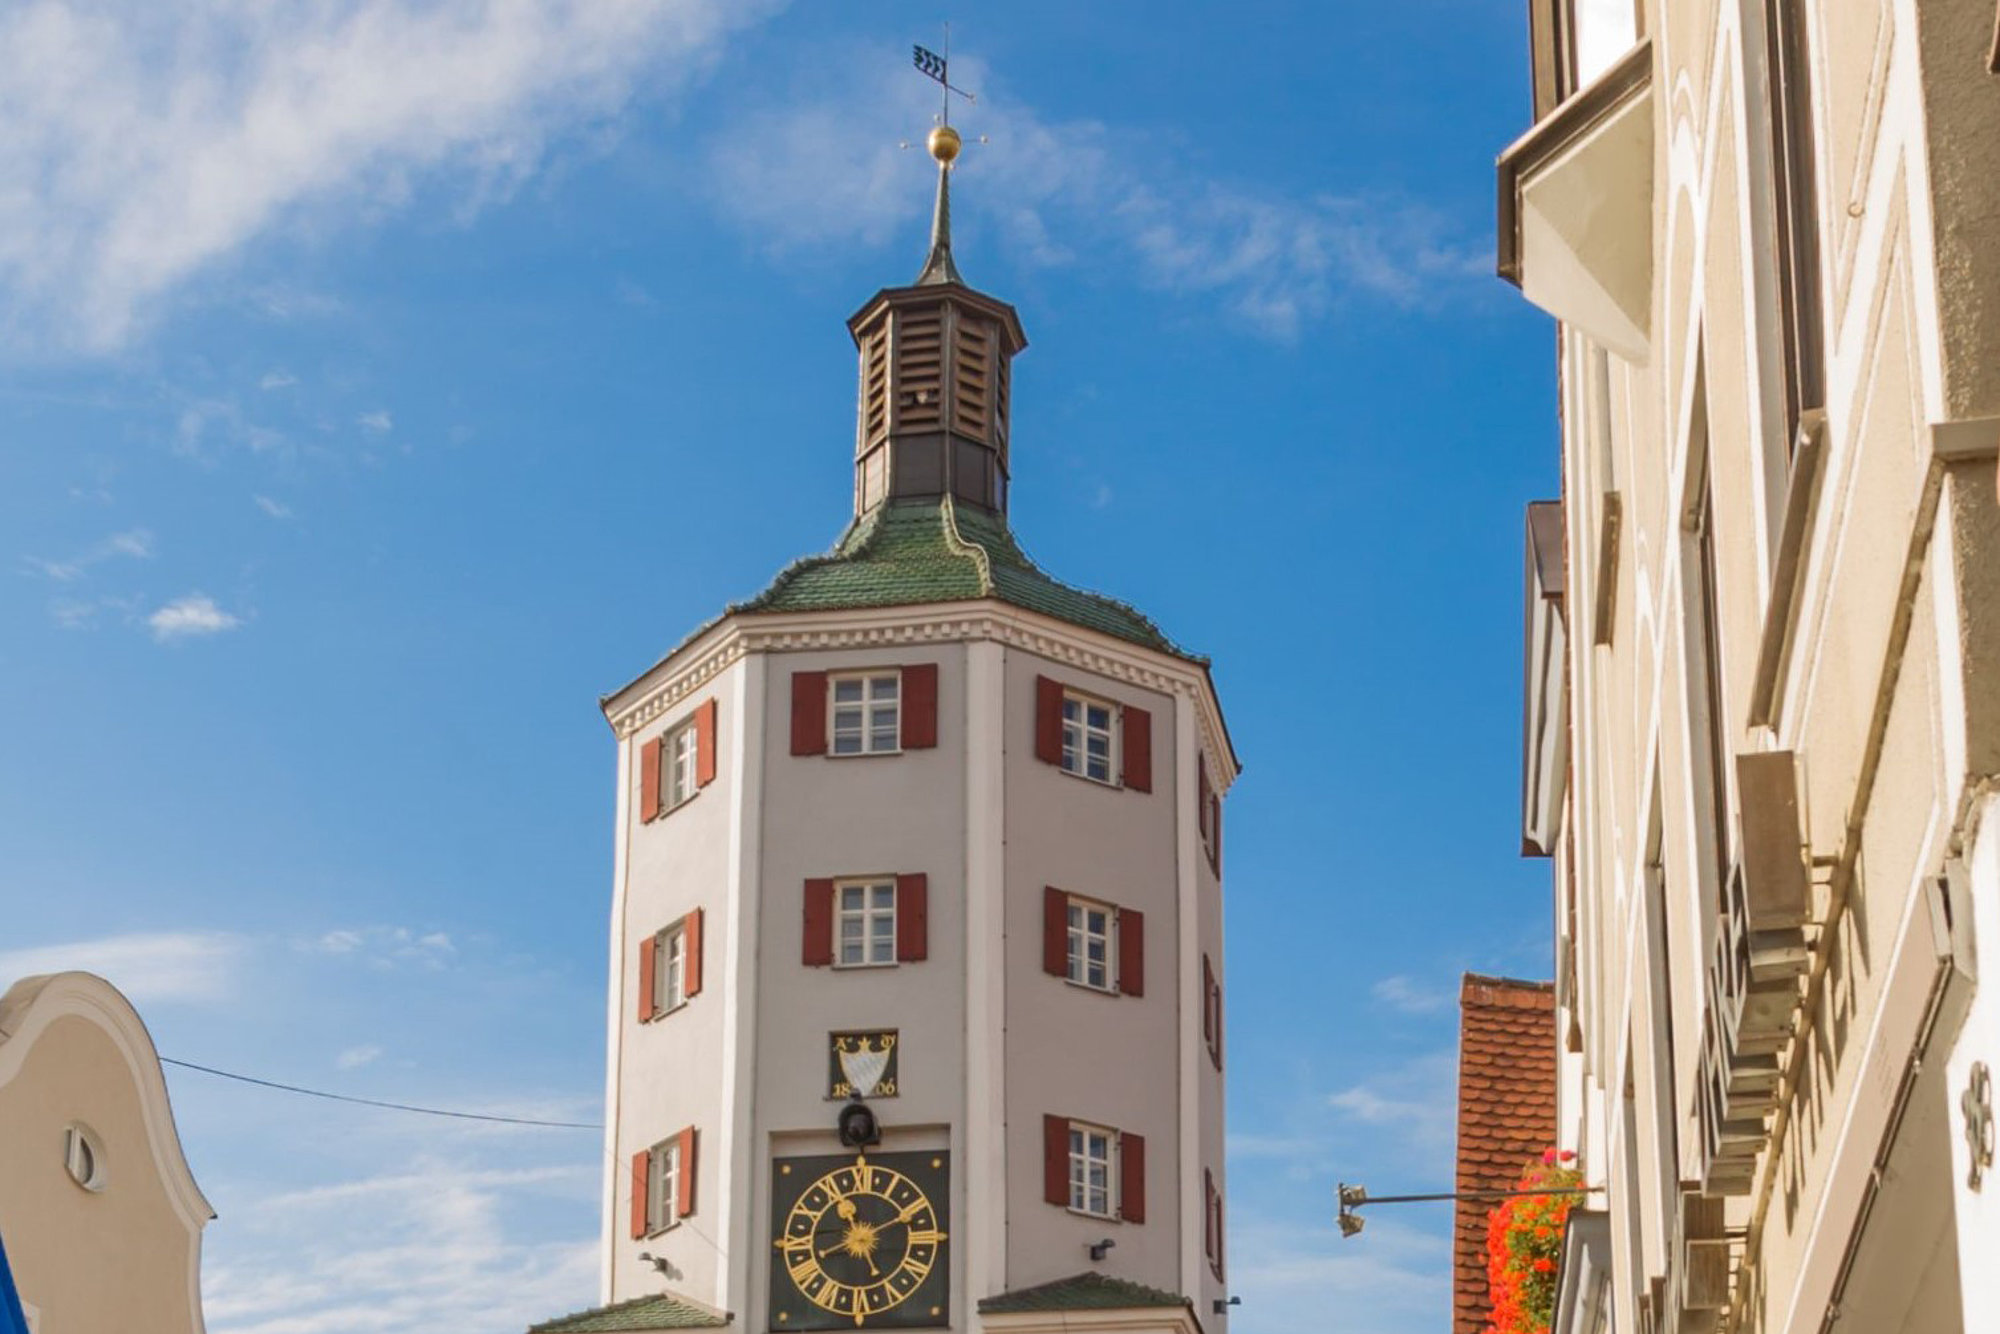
(988,1042)
(1876,668)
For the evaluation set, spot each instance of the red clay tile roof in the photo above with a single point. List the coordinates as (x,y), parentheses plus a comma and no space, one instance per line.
(1506,1114)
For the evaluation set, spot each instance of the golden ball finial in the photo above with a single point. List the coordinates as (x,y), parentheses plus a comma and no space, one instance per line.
(944,144)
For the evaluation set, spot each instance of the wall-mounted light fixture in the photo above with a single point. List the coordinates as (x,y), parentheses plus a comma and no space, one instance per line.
(1353,1197)
(1100,1249)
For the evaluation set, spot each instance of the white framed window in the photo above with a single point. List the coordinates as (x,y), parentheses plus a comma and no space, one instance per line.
(865,713)
(1090,1175)
(864,923)
(663,1186)
(677,764)
(1092,927)
(1087,727)
(83,1156)
(670,959)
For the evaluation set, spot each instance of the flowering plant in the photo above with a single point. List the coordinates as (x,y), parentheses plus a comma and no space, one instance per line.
(1523,1241)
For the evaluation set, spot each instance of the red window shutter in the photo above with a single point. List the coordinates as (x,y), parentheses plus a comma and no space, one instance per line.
(1204,805)
(920,687)
(1215,1050)
(1220,1231)
(1132,1178)
(704,744)
(691,971)
(1208,1003)
(1138,740)
(1048,720)
(1211,1011)
(648,948)
(1055,1160)
(1215,843)
(1131,951)
(684,1201)
(1208,1228)
(818,950)
(1055,932)
(913,918)
(808,713)
(642,1163)
(649,780)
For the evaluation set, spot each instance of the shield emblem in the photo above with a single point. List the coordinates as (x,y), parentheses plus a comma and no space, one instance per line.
(865,1063)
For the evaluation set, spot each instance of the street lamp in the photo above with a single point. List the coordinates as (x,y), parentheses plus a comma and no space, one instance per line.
(1353,1197)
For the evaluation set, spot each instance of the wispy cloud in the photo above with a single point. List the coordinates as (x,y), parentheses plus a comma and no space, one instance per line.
(136,544)
(203,422)
(1067,192)
(82,613)
(1410,996)
(428,1245)
(161,140)
(630,293)
(192,617)
(1392,1279)
(277,380)
(356,1057)
(1416,1101)
(378,421)
(168,967)
(277,509)
(385,946)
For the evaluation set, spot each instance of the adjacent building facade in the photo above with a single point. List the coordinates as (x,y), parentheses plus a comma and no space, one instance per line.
(1506,1119)
(922,836)
(1763,687)
(101,1218)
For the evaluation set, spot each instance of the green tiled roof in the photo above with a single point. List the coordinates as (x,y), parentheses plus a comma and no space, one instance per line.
(931,551)
(1081,1292)
(660,1311)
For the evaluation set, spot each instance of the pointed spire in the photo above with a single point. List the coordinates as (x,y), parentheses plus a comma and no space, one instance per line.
(944,144)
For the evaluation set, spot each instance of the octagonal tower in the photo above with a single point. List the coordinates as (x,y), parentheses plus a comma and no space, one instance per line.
(920,829)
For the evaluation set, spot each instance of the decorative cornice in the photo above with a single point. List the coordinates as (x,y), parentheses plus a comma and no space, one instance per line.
(988,620)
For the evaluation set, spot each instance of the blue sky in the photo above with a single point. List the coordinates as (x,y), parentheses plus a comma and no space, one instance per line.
(380,383)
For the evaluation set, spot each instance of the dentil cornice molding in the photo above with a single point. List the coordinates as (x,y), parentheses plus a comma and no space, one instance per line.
(692,667)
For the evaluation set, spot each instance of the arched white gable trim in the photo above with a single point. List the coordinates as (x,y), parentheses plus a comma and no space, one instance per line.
(26,1012)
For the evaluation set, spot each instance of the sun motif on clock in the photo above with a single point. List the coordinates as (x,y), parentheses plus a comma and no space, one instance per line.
(860,1241)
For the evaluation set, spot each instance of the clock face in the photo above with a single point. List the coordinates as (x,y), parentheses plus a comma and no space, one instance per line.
(860,1241)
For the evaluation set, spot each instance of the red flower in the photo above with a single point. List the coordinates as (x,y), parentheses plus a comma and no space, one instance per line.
(1524,1244)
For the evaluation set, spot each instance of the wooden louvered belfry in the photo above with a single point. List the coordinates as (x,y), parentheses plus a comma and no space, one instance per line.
(933,410)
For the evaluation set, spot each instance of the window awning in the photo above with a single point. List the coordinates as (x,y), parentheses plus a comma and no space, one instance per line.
(1576,208)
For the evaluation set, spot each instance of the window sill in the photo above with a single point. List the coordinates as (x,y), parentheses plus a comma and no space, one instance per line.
(663,1231)
(1093,1215)
(1111,990)
(666,810)
(865,967)
(1094,782)
(663,1012)
(833,754)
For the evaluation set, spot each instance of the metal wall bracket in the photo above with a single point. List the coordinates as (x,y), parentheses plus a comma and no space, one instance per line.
(1977,1105)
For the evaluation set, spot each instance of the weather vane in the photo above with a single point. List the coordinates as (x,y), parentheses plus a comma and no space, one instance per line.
(938,67)
(944,144)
